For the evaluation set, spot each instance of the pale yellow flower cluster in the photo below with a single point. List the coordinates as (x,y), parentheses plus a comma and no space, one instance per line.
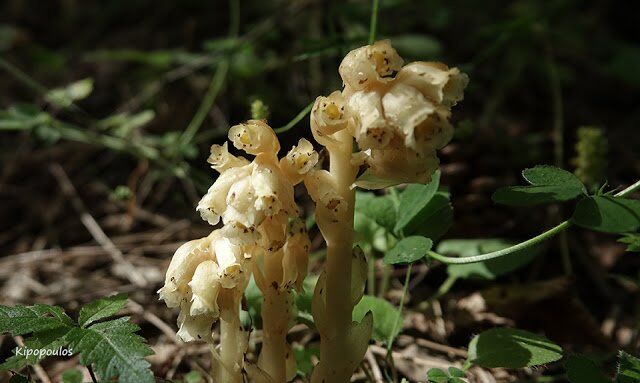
(261,235)
(398,115)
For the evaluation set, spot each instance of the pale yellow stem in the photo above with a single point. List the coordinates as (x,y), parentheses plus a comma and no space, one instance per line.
(335,348)
(231,348)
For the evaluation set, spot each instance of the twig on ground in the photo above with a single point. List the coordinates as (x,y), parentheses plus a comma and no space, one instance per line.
(92,226)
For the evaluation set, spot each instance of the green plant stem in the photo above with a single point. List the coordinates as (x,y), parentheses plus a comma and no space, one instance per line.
(558,142)
(373,26)
(445,287)
(405,288)
(23,77)
(217,81)
(523,245)
(302,114)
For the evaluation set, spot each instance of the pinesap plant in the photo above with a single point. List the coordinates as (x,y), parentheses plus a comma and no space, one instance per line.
(383,129)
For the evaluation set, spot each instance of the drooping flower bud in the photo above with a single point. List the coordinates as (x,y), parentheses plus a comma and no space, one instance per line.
(183,264)
(406,108)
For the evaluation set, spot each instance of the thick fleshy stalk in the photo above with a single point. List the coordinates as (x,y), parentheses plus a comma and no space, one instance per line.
(227,367)
(340,350)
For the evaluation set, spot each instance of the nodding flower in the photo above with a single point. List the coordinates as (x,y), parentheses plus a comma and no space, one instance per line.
(399,116)
(328,116)
(200,271)
(254,137)
(299,161)
(370,67)
(221,160)
(248,194)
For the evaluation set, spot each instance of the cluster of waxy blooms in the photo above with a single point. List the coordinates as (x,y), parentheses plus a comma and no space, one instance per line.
(398,117)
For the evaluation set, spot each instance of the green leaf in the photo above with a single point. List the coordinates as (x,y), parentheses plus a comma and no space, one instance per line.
(64,97)
(114,350)
(193,377)
(303,357)
(434,220)
(632,240)
(581,369)
(408,250)
(628,368)
(436,375)
(101,308)
(456,372)
(381,209)
(72,376)
(512,348)
(608,214)
(20,320)
(490,269)
(384,317)
(548,184)
(414,199)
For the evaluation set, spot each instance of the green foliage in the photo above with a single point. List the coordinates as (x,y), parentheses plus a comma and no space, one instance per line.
(384,317)
(111,346)
(632,240)
(548,184)
(101,308)
(259,110)
(72,376)
(303,356)
(581,369)
(408,250)
(381,209)
(608,214)
(628,368)
(511,348)
(413,200)
(453,375)
(490,269)
(193,377)
(591,155)
(65,97)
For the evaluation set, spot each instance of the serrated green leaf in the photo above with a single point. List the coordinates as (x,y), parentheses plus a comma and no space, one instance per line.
(512,348)
(384,317)
(581,369)
(408,250)
(490,269)
(72,376)
(632,240)
(381,209)
(114,350)
(101,308)
(436,375)
(628,368)
(414,199)
(456,372)
(434,220)
(20,320)
(548,184)
(608,214)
